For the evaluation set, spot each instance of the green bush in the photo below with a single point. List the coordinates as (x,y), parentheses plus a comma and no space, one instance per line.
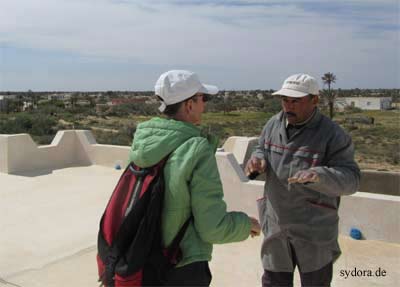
(34,124)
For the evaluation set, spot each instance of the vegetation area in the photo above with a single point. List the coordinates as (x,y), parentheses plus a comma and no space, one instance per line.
(377,145)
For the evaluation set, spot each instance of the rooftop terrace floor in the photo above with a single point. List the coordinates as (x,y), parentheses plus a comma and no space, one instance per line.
(49,222)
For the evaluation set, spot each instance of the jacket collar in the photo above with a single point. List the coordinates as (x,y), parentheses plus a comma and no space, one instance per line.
(310,123)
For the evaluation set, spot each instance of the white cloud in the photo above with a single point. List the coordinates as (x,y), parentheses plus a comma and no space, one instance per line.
(250,40)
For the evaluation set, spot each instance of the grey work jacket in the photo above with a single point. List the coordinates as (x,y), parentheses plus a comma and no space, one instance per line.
(304,215)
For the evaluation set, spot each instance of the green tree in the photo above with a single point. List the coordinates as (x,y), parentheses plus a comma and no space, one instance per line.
(74,98)
(329,79)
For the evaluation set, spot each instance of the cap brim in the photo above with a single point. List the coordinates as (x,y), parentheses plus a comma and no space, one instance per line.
(290,93)
(208,89)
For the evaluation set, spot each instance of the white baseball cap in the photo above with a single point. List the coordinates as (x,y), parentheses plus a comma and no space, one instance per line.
(178,85)
(299,85)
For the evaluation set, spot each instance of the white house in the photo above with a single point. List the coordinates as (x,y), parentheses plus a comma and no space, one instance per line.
(364,103)
(60,97)
(3,103)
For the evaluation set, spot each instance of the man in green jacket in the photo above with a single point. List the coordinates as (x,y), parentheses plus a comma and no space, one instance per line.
(192,182)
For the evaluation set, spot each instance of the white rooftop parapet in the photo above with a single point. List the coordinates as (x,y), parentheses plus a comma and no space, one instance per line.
(23,154)
(240,193)
(20,154)
(241,147)
(376,215)
(101,154)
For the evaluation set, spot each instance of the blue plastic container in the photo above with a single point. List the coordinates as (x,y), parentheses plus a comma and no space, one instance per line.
(355,233)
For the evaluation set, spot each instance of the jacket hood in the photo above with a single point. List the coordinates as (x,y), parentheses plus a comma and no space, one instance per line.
(158,137)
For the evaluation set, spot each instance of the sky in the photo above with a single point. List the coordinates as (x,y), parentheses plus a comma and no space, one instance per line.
(101,45)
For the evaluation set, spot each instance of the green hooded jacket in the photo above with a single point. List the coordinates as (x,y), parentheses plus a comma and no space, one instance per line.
(193,186)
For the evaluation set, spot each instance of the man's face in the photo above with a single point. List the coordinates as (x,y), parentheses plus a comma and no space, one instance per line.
(298,110)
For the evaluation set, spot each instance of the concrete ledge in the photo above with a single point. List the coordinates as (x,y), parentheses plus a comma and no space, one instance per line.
(3,154)
(20,154)
(100,154)
(241,147)
(376,215)
(382,182)
(24,155)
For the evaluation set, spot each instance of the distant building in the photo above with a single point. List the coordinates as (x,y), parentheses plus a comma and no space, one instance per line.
(9,97)
(260,96)
(364,103)
(3,103)
(396,106)
(27,105)
(59,97)
(82,103)
(121,101)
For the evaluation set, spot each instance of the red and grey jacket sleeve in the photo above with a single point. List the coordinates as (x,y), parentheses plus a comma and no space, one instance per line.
(339,175)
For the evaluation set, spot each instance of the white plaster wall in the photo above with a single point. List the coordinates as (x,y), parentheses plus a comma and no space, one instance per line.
(99,154)
(376,103)
(3,154)
(239,146)
(375,215)
(239,193)
(24,154)
(20,154)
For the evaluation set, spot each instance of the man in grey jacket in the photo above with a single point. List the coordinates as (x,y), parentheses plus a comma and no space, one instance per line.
(309,164)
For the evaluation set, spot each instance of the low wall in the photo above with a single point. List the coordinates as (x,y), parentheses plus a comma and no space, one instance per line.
(20,154)
(376,215)
(241,147)
(381,182)
(374,212)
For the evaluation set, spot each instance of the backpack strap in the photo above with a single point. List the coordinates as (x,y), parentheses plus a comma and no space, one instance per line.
(172,251)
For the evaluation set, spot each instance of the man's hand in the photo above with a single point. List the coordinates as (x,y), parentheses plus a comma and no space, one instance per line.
(255,165)
(255,227)
(304,176)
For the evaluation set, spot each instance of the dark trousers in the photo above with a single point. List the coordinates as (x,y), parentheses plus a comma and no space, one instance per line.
(193,274)
(319,278)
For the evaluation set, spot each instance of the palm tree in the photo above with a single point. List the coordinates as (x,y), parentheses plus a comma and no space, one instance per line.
(328,79)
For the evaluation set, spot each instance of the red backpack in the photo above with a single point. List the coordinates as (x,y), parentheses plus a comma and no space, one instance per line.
(130,251)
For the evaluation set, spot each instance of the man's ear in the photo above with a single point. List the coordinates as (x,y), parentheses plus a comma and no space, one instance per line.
(315,100)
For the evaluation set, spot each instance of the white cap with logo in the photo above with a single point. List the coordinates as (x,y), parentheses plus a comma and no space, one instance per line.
(299,85)
(178,85)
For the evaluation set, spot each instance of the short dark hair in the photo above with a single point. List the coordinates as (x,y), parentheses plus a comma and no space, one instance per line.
(171,110)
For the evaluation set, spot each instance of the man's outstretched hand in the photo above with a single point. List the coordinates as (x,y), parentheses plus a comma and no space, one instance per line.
(304,176)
